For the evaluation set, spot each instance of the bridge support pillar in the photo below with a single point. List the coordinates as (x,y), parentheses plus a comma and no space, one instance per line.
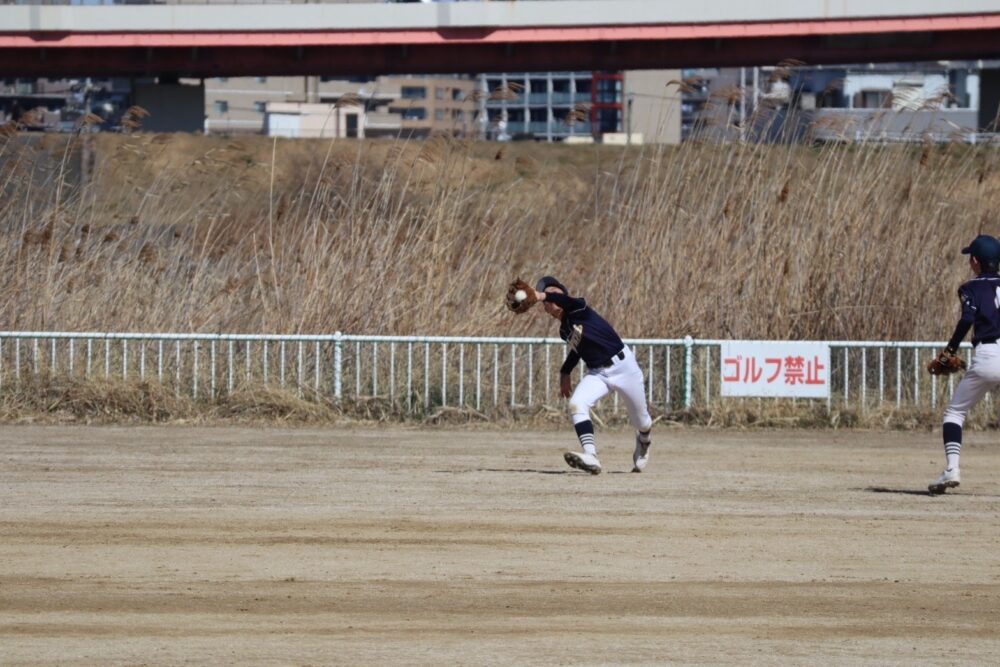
(989,99)
(172,107)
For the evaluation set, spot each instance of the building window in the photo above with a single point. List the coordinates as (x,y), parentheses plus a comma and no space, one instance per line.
(830,99)
(413,92)
(221,106)
(458,114)
(261,79)
(223,79)
(457,94)
(609,120)
(439,114)
(608,90)
(872,99)
(260,107)
(439,93)
(416,113)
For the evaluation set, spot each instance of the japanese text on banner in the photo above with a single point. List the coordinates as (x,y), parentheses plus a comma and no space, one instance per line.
(791,369)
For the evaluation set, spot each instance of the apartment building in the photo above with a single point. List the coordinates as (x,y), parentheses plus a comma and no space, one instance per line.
(547,106)
(887,101)
(570,106)
(408,106)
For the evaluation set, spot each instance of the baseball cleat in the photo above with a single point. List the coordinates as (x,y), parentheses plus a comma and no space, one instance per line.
(949,479)
(586,462)
(640,457)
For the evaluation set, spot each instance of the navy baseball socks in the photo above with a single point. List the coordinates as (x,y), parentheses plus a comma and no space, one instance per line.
(951,477)
(586,461)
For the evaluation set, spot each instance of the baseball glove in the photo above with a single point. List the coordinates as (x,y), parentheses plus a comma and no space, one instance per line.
(519,288)
(946,363)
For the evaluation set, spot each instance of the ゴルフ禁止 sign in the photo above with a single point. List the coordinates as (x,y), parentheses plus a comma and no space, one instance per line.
(775,368)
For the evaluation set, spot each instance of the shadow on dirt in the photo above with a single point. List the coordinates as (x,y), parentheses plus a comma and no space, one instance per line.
(906,492)
(913,492)
(533,471)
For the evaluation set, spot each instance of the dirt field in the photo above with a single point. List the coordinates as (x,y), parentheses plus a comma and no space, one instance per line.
(240,546)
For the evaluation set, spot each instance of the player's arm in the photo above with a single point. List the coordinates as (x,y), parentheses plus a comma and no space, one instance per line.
(961,329)
(965,321)
(567,303)
(948,361)
(572,359)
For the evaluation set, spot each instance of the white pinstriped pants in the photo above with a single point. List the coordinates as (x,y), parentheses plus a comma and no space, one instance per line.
(623,376)
(982,376)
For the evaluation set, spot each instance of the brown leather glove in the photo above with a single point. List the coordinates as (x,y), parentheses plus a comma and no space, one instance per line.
(523,304)
(946,363)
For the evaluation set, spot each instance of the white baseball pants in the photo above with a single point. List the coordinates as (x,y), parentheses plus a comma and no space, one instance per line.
(982,376)
(623,376)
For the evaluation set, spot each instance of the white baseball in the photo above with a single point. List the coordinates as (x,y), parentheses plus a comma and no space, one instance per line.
(520,295)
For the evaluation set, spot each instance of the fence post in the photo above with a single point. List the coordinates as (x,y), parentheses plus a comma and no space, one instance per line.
(688,346)
(338,363)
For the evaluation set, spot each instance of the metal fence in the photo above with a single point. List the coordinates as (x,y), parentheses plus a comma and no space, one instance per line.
(180,2)
(188,2)
(420,373)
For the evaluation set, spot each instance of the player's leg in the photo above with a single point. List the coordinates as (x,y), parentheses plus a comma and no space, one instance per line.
(591,389)
(627,379)
(983,375)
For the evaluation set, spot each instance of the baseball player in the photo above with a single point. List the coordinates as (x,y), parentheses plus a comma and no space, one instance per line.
(980,298)
(611,365)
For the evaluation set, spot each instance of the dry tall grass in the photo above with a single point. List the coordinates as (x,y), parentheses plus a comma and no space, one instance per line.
(187,233)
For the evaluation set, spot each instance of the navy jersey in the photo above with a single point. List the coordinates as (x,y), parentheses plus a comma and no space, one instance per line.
(587,334)
(980,299)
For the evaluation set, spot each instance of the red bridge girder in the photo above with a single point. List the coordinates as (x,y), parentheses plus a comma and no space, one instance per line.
(475,50)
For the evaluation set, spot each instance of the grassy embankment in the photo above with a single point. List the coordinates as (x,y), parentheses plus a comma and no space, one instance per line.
(208,234)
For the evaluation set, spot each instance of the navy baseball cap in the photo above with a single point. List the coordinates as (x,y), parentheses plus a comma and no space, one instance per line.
(985,248)
(549,281)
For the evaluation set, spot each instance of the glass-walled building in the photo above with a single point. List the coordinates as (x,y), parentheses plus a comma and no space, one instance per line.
(545,106)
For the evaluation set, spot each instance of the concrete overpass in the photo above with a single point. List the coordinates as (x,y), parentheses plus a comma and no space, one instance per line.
(336,39)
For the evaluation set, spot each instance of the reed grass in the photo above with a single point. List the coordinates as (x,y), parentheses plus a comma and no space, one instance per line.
(183,233)
(792,240)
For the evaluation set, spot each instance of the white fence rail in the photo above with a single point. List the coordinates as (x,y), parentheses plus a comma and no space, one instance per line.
(418,373)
